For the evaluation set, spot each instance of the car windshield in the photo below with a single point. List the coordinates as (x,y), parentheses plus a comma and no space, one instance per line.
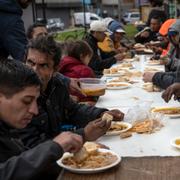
(55,20)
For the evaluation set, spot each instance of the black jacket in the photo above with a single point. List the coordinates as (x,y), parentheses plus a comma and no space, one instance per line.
(12,33)
(56,109)
(164,79)
(97,63)
(19,163)
(153,36)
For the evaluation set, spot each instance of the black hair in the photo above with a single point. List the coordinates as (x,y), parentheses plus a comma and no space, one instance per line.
(77,48)
(157,18)
(47,45)
(30,29)
(15,76)
(156,3)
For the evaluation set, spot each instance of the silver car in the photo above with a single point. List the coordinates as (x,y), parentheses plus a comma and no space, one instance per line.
(55,24)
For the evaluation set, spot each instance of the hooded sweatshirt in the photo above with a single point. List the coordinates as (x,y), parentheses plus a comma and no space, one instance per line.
(74,68)
(12,33)
(174,52)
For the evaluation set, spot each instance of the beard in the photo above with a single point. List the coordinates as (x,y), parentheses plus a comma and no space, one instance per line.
(24,3)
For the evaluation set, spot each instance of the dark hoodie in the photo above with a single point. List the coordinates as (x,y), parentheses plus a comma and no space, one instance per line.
(165,79)
(174,52)
(12,33)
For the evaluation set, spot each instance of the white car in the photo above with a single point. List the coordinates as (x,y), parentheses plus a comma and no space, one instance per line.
(131,17)
(89,17)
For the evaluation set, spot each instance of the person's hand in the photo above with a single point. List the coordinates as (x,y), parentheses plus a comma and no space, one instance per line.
(75,86)
(156,49)
(96,129)
(117,114)
(148,76)
(121,50)
(145,34)
(164,60)
(119,57)
(70,142)
(174,89)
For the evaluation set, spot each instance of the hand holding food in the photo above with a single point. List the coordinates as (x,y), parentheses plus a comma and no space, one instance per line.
(74,85)
(96,129)
(70,142)
(117,114)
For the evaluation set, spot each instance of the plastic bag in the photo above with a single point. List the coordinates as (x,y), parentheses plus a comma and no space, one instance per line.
(143,120)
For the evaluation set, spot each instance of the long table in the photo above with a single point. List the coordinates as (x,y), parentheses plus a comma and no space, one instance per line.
(149,157)
(144,168)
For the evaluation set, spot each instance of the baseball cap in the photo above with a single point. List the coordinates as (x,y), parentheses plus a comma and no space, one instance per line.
(98,25)
(120,30)
(116,27)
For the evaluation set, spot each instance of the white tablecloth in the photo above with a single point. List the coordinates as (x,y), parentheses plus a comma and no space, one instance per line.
(156,144)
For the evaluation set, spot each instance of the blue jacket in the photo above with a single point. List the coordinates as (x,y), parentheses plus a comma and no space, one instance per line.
(12,33)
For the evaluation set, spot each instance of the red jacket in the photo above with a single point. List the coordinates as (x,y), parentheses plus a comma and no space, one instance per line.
(73,68)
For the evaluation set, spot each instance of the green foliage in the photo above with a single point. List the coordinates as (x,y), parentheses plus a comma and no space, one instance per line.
(79,33)
(130,31)
(70,34)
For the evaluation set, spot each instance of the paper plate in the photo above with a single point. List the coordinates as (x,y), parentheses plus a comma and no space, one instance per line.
(89,171)
(118,85)
(117,132)
(174,144)
(176,115)
(153,63)
(120,73)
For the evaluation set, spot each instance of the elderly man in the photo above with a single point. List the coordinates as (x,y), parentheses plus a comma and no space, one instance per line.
(55,106)
(19,90)
(97,34)
(13,40)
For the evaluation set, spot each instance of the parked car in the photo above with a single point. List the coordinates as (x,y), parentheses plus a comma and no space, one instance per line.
(55,24)
(89,17)
(131,17)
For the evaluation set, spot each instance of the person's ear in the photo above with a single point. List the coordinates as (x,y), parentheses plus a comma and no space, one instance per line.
(81,57)
(1,96)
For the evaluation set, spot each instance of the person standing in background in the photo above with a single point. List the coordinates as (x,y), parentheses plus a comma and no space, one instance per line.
(13,40)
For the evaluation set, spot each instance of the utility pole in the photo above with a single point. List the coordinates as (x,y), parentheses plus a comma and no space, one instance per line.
(44,11)
(119,10)
(34,12)
(84,11)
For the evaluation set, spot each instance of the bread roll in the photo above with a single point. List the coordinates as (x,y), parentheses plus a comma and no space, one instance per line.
(107,117)
(91,147)
(81,155)
(106,71)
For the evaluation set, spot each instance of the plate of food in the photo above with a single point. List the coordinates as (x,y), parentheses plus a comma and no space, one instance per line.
(128,59)
(155,69)
(172,112)
(175,142)
(118,128)
(113,72)
(117,85)
(148,51)
(88,162)
(153,62)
